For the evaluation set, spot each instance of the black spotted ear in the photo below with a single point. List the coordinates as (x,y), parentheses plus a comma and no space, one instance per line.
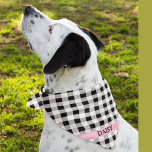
(73,52)
(97,42)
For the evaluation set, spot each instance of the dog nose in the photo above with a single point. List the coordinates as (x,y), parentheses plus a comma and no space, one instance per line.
(28,10)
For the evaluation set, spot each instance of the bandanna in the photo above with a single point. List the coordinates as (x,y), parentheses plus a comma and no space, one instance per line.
(90,113)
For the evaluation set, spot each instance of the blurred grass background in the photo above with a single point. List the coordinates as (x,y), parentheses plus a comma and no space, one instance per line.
(115,22)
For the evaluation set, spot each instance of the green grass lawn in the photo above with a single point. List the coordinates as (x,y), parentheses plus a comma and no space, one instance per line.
(115,22)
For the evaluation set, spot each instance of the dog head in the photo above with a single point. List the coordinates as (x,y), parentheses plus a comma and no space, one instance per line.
(58,43)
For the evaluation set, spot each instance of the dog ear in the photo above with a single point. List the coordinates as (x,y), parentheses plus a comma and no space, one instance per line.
(97,42)
(73,52)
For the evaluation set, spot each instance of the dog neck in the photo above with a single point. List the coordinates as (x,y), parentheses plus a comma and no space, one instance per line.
(67,78)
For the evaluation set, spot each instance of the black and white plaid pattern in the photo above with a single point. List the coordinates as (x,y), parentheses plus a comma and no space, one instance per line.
(81,111)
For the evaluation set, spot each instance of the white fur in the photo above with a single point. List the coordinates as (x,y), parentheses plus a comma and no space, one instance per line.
(45,44)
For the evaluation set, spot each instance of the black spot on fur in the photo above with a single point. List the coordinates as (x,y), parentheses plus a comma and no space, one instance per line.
(32,22)
(73,52)
(67,147)
(47,82)
(54,75)
(77,148)
(41,16)
(97,42)
(36,15)
(69,140)
(50,79)
(47,91)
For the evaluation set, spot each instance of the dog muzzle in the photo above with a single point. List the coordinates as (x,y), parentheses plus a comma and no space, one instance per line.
(90,114)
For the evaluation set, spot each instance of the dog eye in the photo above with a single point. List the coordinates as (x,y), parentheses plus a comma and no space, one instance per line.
(50,28)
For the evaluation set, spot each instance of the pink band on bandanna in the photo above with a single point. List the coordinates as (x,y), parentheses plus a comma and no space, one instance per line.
(100,132)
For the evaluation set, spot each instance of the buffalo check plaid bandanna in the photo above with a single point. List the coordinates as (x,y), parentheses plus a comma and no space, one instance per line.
(90,114)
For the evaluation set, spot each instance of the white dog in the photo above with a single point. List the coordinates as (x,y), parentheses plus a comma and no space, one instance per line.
(69,57)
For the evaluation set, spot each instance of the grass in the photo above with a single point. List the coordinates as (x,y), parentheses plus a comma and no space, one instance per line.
(115,22)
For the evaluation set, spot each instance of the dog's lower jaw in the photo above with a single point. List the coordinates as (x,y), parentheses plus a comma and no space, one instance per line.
(67,78)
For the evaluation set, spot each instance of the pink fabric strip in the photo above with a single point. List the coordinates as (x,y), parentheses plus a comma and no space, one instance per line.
(100,132)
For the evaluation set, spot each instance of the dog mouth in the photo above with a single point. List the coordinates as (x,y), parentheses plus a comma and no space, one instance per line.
(34,22)
(30,15)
